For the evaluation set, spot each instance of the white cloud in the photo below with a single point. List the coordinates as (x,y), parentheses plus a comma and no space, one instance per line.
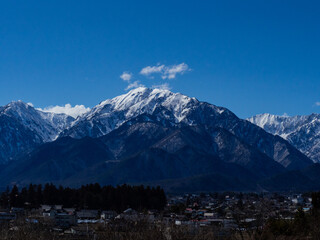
(126,76)
(167,72)
(171,72)
(317,103)
(135,84)
(147,71)
(164,86)
(67,109)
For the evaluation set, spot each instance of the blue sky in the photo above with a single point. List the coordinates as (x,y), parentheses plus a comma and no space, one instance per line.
(249,56)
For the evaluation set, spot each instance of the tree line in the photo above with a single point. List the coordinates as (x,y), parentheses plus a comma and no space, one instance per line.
(91,196)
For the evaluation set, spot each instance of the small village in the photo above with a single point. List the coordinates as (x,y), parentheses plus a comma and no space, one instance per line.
(222,213)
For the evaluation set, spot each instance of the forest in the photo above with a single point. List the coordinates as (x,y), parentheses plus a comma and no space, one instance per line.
(91,196)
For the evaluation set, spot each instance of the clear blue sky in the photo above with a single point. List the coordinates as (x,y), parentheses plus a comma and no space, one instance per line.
(249,56)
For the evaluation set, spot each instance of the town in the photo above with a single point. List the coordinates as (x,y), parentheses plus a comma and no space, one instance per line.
(226,215)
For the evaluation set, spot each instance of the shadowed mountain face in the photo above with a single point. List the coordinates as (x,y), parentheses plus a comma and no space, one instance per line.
(55,161)
(174,109)
(187,157)
(306,179)
(158,137)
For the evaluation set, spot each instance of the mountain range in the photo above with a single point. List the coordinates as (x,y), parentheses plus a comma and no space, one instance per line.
(149,136)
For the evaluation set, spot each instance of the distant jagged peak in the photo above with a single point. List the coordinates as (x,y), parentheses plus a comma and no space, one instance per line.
(46,125)
(283,122)
(18,105)
(302,131)
(267,119)
(19,109)
(285,117)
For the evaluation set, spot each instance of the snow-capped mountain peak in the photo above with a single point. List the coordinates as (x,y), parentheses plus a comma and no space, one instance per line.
(16,107)
(303,132)
(46,125)
(112,113)
(22,127)
(137,100)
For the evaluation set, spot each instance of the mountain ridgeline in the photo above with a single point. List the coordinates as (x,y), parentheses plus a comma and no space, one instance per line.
(23,128)
(154,137)
(303,132)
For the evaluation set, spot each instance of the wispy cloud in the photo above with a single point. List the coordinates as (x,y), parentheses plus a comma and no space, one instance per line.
(163,71)
(171,72)
(317,104)
(126,76)
(164,86)
(75,111)
(166,72)
(135,84)
(149,70)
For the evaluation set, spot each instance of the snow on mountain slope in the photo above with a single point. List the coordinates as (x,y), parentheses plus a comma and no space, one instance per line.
(46,125)
(112,113)
(145,100)
(23,127)
(303,132)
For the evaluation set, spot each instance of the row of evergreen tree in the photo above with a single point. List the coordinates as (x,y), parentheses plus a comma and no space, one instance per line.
(92,196)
